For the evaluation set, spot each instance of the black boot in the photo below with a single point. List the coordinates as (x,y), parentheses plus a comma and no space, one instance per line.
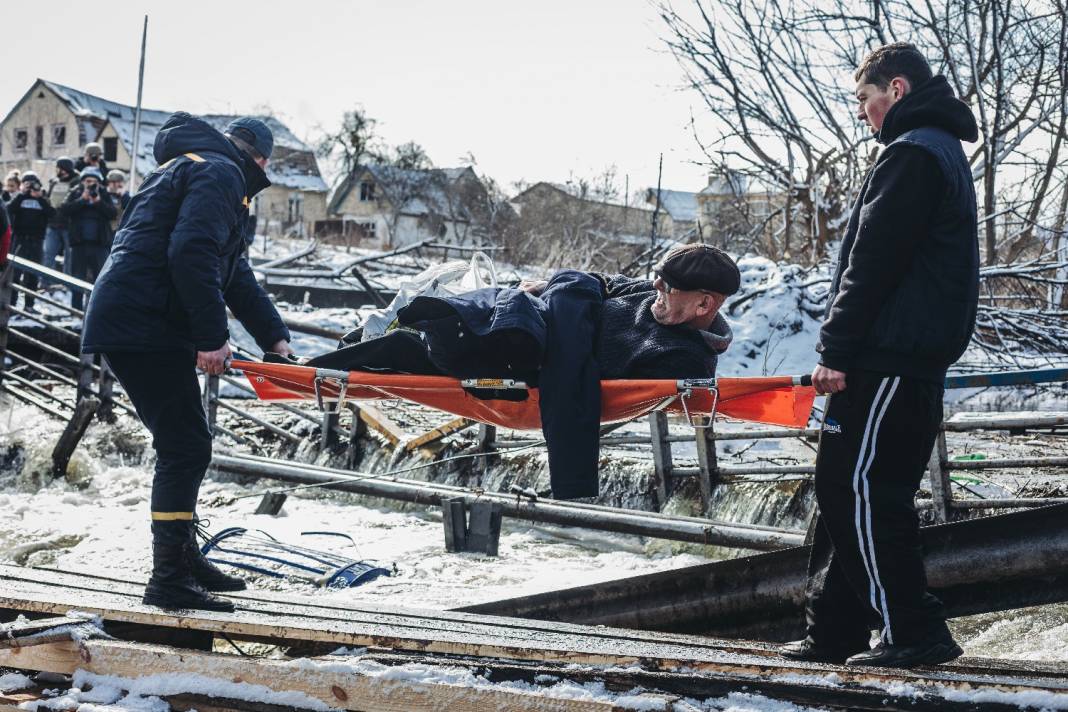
(172,584)
(933,651)
(206,573)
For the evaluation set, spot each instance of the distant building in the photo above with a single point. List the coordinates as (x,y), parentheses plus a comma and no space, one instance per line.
(388,207)
(737,215)
(630,224)
(52,120)
(682,206)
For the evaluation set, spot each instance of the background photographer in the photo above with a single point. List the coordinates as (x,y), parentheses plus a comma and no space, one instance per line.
(90,211)
(93,158)
(29,212)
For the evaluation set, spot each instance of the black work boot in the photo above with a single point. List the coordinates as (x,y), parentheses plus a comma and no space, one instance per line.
(808,651)
(206,573)
(934,651)
(172,584)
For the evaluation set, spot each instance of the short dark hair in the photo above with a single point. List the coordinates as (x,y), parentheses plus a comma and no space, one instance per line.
(900,59)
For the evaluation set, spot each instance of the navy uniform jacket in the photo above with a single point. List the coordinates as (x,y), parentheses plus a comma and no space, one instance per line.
(178,260)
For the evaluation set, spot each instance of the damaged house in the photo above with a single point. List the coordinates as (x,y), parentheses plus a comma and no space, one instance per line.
(52,120)
(384,206)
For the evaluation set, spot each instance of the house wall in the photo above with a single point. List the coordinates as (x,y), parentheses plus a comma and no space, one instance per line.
(41,109)
(272,208)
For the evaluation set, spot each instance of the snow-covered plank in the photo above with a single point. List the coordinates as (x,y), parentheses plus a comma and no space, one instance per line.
(1009,420)
(497,638)
(160,670)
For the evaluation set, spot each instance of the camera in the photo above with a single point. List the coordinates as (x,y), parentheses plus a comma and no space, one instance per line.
(93,192)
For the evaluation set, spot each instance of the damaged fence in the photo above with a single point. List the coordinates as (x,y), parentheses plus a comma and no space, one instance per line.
(28,363)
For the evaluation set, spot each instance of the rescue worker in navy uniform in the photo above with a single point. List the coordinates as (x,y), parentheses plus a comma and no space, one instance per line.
(901,310)
(158,311)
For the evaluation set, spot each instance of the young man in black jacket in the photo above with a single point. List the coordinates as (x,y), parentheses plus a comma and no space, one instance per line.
(901,311)
(30,212)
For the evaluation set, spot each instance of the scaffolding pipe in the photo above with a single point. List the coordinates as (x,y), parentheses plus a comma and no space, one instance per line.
(692,529)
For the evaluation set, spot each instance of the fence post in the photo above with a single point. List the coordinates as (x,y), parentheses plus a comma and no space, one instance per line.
(658,432)
(708,463)
(105,388)
(7,275)
(85,375)
(941,492)
(211,400)
(328,430)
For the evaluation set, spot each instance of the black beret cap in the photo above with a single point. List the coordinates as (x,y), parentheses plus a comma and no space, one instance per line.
(700,267)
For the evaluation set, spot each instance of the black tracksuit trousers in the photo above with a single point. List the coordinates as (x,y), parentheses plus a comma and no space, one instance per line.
(867,561)
(165,392)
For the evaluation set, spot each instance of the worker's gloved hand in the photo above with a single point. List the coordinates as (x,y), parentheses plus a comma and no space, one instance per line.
(214,362)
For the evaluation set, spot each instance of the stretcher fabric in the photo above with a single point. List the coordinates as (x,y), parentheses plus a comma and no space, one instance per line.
(773,400)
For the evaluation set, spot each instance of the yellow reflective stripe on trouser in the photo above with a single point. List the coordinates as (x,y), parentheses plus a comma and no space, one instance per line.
(172,516)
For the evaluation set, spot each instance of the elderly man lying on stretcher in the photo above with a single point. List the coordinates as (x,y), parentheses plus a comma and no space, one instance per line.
(564,336)
(669,327)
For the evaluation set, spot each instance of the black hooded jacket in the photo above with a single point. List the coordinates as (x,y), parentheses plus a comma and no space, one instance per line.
(178,260)
(905,292)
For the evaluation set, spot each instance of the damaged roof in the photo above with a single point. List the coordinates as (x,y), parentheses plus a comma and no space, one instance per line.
(292,164)
(415,192)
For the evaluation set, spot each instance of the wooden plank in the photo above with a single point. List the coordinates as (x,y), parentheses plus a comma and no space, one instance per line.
(84,411)
(658,432)
(495,637)
(344,689)
(1009,420)
(941,486)
(453,426)
(383,424)
(289,605)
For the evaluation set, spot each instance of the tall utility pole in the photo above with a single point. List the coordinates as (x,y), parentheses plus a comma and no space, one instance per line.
(656,214)
(137,111)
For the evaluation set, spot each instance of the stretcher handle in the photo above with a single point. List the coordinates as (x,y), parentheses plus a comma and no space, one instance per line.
(806,380)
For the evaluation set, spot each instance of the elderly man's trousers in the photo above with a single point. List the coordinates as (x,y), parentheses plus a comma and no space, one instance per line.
(166,393)
(867,567)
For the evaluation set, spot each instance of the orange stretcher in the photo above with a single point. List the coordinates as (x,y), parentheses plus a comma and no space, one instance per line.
(774,400)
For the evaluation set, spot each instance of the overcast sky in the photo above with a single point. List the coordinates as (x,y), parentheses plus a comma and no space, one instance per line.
(535,90)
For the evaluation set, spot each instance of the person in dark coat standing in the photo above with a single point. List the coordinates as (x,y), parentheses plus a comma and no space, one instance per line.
(158,311)
(119,195)
(30,212)
(90,211)
(901,310)
(5,238)
(57,238)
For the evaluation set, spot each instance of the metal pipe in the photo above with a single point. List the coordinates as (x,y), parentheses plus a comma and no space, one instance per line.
(27,398)
(48,300)
(1019,502)
(52,275)
(588,516)
(996,462)
(41,320)
(46,347)
(1039,421)
(38,389)
(259,421)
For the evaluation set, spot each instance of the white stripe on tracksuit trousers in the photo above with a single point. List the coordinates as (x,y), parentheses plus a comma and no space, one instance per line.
(862,489)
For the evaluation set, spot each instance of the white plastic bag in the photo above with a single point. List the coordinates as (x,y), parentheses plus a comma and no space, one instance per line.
(445,280)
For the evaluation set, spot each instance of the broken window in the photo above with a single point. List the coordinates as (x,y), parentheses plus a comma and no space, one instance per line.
(22,139)
(38,141)
(367,191)
(296,207)
(59,134)
(111,149)
(368,229)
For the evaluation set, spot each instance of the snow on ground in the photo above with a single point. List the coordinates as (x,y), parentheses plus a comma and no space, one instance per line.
(101,526)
